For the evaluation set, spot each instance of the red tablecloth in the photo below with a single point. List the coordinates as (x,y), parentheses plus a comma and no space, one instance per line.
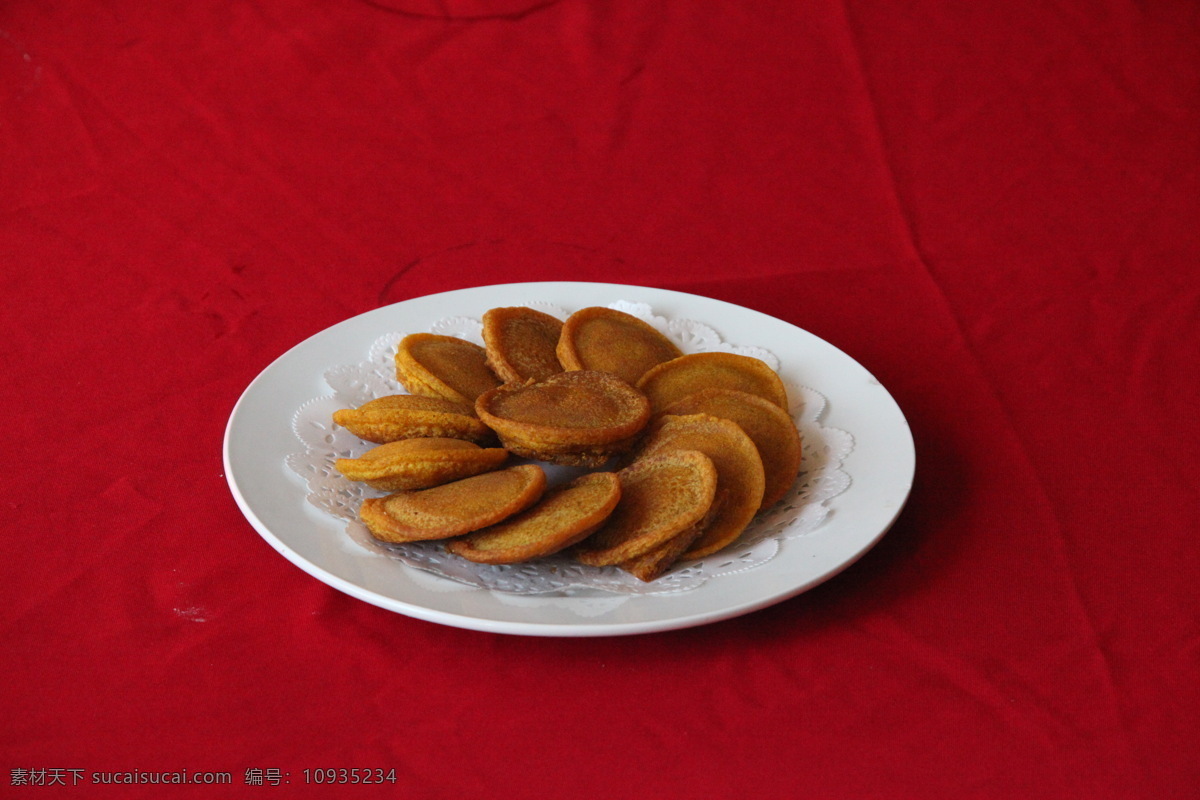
(990,206)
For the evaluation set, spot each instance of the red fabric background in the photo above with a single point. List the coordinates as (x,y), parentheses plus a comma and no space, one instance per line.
(990,206)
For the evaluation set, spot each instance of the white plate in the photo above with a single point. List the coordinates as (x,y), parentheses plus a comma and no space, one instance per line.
(258,440)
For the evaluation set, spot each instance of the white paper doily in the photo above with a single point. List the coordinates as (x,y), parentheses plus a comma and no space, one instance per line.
(800,513)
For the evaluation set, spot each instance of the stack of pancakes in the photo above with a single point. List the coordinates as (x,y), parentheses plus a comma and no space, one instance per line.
(684,449)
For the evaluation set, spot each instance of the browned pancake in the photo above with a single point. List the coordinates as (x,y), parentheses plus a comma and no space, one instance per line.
(651,565)
(420,463)
(409,416)
(520,343)
(740,479)
(453,509)
(612,341)
(564,516)
(676,379)
(662,496)
(443,366)
(773,432)
(579,418)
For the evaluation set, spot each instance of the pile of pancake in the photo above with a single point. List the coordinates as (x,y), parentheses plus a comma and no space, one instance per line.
(678,453)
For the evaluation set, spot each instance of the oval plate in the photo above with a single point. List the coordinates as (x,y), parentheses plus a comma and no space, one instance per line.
(258,439)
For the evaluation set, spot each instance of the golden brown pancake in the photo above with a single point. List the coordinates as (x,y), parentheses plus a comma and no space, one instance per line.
(662,496)
(652,565)
(520,343)
(420,463)
(443,366)
(564,516)
(453,509)
(409,416)
(612,341)
(773,432)
(579,418)
(740,477)
(676,379)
